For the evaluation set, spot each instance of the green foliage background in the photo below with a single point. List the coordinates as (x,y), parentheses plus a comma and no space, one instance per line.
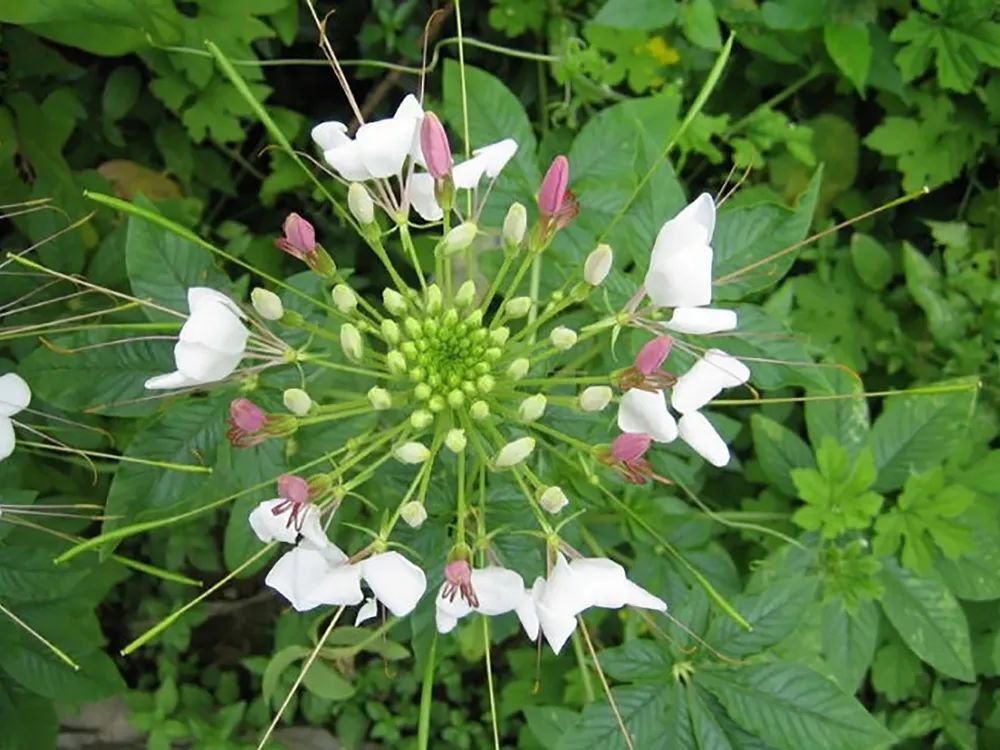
(889,596)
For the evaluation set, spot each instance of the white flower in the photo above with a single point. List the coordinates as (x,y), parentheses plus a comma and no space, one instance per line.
(378,149)
(15,395)
(706,379)
(283,526)
(698,432)
(494,591)
(395,581)
(646,411)
(211,342)
(514,452)
(488,160)
(576,586)
(680,270)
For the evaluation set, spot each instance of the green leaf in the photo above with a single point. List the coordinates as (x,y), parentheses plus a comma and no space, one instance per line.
(549,723)
(774,614)
(88,371)
(871,260)
(837,496)
(779,450)
(846,420)
(850,47)
(637,14)
(276,667)
(929,620)
(641,708)
(896,671)
(793,707)
(246,467)
(162,266)
(925,285)
(753,243)
(29,721)
(637,661)
(187,435)
(917,432)
(322,681)
(976,575)
(701,26)
(849,640)
(696,720)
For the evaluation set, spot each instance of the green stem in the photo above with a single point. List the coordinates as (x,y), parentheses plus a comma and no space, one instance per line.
(426,692)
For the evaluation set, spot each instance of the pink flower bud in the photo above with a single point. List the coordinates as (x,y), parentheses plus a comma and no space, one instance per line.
(300,238)
(630,446)
(294,489)
(552,193)
(653,354)
(246,423)
(435,147)
(458,581)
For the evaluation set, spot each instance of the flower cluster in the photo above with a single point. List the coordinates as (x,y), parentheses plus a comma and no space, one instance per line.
(459,374)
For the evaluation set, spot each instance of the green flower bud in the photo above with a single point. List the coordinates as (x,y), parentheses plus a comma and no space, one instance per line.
(390,331)
(598,264)
(518,368)
(421,419)
(466,294)
(458,239)
(297,401)
(351,342)
(553,499)
(532,408)
(518,307)
(436,404)
(485,383)
(412,328)
(344,299)
(474,319)
(433,299)
(563,338)
(455,440)
(515,223)
(595,397)
(499,336)
(479,410)
(422,391)
(380,398)
(414,514)
(456,399)
(411,453)
(396,362)
(514,452)
(394,302)
(409,349)
(267,304)
(360,203)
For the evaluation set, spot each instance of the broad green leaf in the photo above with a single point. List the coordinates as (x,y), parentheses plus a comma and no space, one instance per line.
(975,576)
(779,450)
(846,420)
(850,47)
(701,26)
(549,723)
(896,671)
(849,640)
(162,266)
(837,493)
(28,575)
(793,707)
(324,682)
(186,435)
(276,667)
(642,710)
(637,661)
(774,614)
(637,14)
(871,260)
(753,243)
(794,15)
(918,432)
(925,285)
(929,620)
(697,721)
(90,371)
(246,467)
(29,721)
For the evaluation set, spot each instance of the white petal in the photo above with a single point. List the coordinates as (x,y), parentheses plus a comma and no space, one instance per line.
(496,155)
(603,579)
(637,596)
(7,438)
(312,528)
(564,593)
(14,394)
(409,107)
(681,276)
(527,613)
(701,320)
(498,590)
(366,611)
(395,581)
(199,364)
(555,625)
(340,586)
(296,574)
(328,135)
(706,379)
(702,211)
(268,526)
(214,325)
(385,144)
(202,297)
(169,380)
(467,174)
(645,411)
(698,432)
(449,610)
(445,622)
(422,197)
(346,159)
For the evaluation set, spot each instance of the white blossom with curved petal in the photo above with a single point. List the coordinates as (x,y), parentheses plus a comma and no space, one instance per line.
(270,527)
(310,577)
(15,395)
(211,342)
(498,591)
(707,378)
(395,581)
(698,432)
(646,411)
(573,587)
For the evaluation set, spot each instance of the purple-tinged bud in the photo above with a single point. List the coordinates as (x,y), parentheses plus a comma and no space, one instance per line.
(553,190)
(435,147)
(246,423)
(293,488)
(300,237)
(458,581)
(630,446)
(653,354)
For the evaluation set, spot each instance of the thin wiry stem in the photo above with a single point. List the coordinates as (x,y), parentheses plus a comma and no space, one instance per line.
(604,683)
(40,638)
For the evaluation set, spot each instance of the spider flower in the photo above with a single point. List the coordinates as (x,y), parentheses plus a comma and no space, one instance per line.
(15,395)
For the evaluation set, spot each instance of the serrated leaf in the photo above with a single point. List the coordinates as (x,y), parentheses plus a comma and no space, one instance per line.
(917,432)
(637,661)
(641,708)
(929,620)
(779,450)
(793,707)
(844,419)
(849,640)
(774,614)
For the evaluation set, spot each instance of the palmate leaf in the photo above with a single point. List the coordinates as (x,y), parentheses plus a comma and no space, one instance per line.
(696,721)
(792,707)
